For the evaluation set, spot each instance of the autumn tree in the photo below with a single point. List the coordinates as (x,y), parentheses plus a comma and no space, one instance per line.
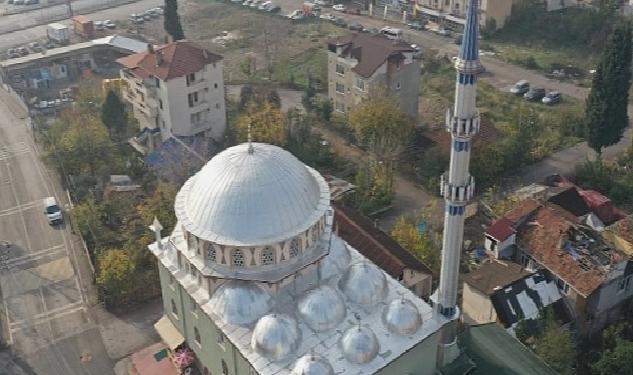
(160,205)
(267,123)
(113,114)
(172,21)
(406,233)
(114,278)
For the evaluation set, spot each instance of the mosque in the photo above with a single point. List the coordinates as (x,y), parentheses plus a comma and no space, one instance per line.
(254,281)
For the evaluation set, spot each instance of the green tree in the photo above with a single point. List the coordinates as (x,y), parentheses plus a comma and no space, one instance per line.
(268,124)
(172,20)
(406,233)
(606,106)
(326,110)
(115,277)
(618,360)
(555,345)
(160,205)
(113,114)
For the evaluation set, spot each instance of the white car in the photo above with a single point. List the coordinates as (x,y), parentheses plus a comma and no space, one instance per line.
(327,17)
(322,3)
(99,25)
(52,211)
(109,24)
(339,8)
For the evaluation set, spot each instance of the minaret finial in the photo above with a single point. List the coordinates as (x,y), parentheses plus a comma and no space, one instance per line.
(250,140)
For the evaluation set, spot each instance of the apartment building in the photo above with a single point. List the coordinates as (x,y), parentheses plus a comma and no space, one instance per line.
(176,90)
(359,64)
(492,13)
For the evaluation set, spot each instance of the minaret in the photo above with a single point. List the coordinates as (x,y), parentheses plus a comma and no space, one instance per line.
(457,186)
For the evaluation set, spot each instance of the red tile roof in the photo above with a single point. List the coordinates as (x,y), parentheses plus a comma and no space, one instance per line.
(371,51)
(376,245)
(501,229)
(178,59)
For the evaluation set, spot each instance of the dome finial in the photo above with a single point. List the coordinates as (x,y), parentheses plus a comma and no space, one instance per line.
(250,140)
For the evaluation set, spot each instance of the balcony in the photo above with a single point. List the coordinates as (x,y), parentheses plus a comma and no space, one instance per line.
(457,193)
(462,127)
(197,85)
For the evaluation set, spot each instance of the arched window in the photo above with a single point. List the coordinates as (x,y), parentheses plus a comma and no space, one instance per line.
(174,309)
(268,256)
(211,253)
(196,335)
(237,258)
(192,242)
(295,247)
(225,368)
(315,234)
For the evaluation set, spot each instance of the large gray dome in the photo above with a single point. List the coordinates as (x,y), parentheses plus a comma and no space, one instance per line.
(322,308)
(276,336)
(402,317)
(336,261)
(312,365)
(242,198)
(364,283)
(239,302)
(359,345)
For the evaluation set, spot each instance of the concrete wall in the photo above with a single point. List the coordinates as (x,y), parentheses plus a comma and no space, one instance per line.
(420,360)
(403,84)
(477,307)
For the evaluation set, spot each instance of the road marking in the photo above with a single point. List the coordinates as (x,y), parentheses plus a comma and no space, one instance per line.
(14,262)
(15,196)
(10,151)
(47,316)
(20,207)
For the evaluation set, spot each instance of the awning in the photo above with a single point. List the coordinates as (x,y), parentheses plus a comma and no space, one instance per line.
(168,333)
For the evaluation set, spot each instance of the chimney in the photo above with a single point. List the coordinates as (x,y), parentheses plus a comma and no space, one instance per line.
(159,58)
(150,48)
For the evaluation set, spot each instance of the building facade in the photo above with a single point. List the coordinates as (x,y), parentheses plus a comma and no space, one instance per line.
(360,64)
(254,280)
(492,13)
(178,89)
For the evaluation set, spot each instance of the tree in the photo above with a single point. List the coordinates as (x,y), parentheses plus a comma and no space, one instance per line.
(606,105)
(555,345)
(172,21)
(160,205)
(114,278)
(273,98)
(268,124)
(113,114)
(618,360)
(326,110)
(406,233)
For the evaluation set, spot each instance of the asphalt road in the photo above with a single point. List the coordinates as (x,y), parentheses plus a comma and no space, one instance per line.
(43,301)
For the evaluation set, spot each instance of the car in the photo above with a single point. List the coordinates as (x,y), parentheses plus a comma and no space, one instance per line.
(109,24)
(327,17)
(246,3)
(23,51)
(354,11)
(415,25)
(236,1)
(99,25)
(31,2)
(339,7)
(35,47)
(152,13)
(520,87)
(323,3)
(443,32)
(18,2)
(159,11)
(296,14)
(52,211)
(147,17)
(534,94)
(552,97)
(274,9)
(355,26)
(264,5)
(254,4)
(340,22)
(136,18)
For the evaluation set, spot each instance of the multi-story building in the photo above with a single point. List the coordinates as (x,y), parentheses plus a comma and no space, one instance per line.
(492,13)
(360,64)
(177,90)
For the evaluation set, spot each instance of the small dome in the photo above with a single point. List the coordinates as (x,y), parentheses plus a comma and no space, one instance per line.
(402,317)
(360,345)
(336,261)
(275,336)
(239,302)
(242,198)
(322,308)
(364,283)
(312,365)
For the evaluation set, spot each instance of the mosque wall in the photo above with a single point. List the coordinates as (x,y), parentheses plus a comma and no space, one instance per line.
(420,360)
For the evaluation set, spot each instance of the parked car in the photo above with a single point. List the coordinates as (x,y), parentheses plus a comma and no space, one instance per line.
(147,17)
(296,14)
(327,17)
(23,51)
(35,47)
(136,18)
(520,87)
(264,5)
(236,1)
(254,4)
(415,25)
(152,13)
(31,2)
(274,8)
(340,22)
(323,3)
(355,26)
(159,11)
(552,97)
(534,94)
(18,2)
(13,53)
(52,211)
(339,7)
(109,24)
(99,25)
(246,3)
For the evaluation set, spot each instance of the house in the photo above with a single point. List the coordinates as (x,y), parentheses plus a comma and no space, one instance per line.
(506,293)
(359,64)
(493,13)
(176,89)
(564,236)
(361,233)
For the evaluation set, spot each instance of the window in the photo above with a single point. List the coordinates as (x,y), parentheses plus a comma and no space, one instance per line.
(191,242)
(315,234)
(217,105)
(624,284)
(295,247)
(237,258)
(360,84)
(211,256)
(220,335)
(215,85)
(340,69)
(562,286)
(160,103)
(193,271)
(174,309)
(191,78)
(225,368)
(398,86)
(195,117)
(461,146)
(196,335)
(157,82)
(455,210)
(193,99)
(340,88)
(268,256)
(339,107)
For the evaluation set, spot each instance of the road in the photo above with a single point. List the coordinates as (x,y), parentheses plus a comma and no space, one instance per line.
(43,300)
(33,18)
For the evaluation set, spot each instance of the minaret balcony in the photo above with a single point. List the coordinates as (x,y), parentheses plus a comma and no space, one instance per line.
(462,127)
(468,66)
(457,193)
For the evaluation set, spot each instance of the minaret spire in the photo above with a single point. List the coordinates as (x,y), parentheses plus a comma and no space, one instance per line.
(458,186)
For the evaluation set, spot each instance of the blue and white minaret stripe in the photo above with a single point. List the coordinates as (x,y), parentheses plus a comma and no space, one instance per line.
(458,186)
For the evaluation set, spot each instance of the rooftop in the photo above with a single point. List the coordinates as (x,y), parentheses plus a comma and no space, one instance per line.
(491,276)
(173,60)
(371,51)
